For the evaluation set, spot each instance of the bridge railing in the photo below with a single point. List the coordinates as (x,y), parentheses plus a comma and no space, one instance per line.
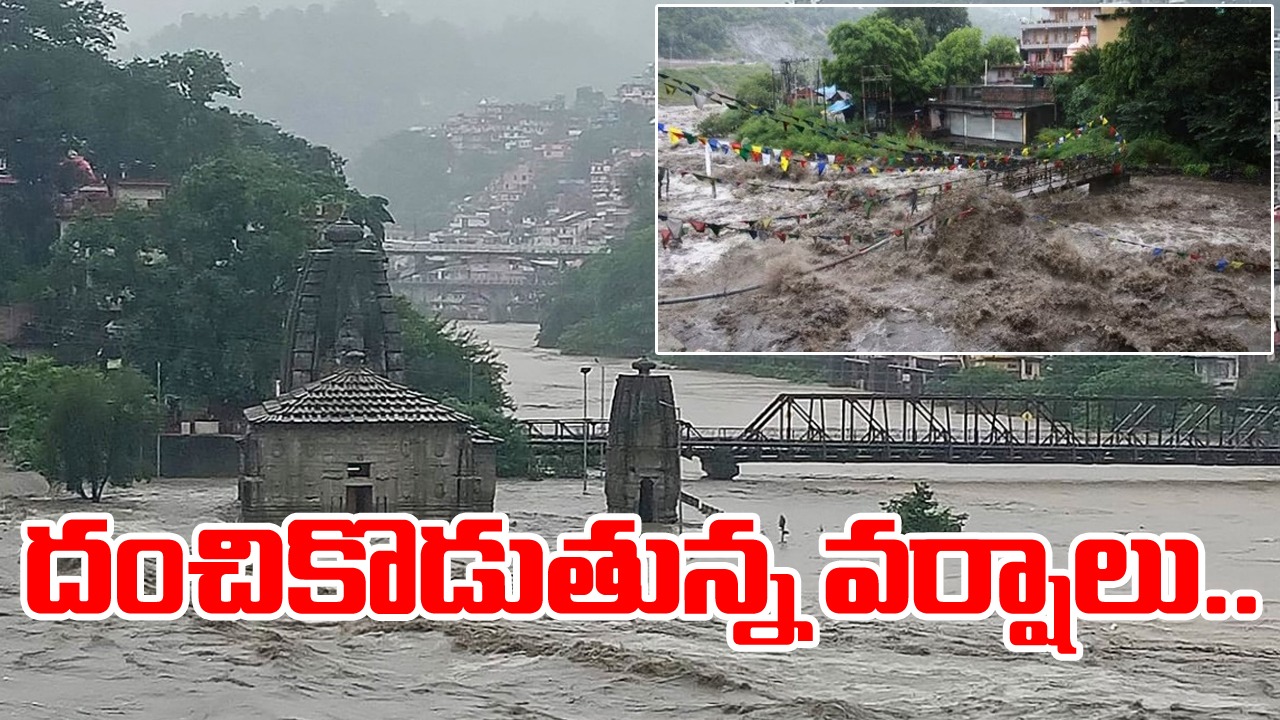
(566,430)
(852,419)
(1056,172)
(527,279)
(409,247)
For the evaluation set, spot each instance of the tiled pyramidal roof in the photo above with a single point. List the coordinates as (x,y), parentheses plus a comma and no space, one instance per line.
(354,395)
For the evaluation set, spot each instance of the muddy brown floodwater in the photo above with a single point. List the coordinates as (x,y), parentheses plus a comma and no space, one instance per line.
(1067,271)
(191,668)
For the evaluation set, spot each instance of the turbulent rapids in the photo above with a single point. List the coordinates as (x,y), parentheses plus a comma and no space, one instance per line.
(1164,264)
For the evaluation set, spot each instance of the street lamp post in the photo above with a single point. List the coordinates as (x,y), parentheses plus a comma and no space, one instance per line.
(586,423)
(602,379)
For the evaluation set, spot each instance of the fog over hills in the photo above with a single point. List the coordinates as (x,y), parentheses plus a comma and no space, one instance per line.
(346,73)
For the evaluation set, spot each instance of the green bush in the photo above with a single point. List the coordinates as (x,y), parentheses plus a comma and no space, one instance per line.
(1094,141)
(79,427)
(1251,172)
(1196,169)
(1158,151)
(921,513)
(723,125)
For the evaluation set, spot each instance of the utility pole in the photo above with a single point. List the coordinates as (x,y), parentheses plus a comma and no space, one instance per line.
(164,409)
(881,75)
(586,425)
(602,379)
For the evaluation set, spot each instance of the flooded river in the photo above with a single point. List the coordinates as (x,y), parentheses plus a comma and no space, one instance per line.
(197,669)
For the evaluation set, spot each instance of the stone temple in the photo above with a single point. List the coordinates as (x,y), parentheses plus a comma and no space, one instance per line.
(345,436)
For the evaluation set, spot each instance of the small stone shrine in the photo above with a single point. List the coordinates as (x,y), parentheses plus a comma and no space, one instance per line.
(642,463)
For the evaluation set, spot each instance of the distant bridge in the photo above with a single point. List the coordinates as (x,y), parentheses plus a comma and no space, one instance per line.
(476,281)
(851,428)
(523,250)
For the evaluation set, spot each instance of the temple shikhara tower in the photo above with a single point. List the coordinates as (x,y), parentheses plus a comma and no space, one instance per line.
(345,435)
(342,296)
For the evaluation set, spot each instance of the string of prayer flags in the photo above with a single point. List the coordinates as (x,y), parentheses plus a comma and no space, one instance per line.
(907,163)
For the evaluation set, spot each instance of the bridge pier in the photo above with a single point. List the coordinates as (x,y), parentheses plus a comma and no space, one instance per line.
(642,462)
(719,464)
(1108,182)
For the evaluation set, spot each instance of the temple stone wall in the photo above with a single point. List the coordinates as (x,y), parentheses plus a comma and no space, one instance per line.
(428,470)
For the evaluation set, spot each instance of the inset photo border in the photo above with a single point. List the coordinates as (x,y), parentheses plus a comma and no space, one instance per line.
(965,179)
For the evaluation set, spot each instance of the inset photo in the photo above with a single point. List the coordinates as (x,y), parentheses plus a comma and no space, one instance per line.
(966,179)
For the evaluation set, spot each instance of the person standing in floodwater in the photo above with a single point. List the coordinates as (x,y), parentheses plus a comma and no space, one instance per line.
(915,198)
(782,528)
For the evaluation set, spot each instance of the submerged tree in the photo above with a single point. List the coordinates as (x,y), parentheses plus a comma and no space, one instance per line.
(99,430)
(921,513)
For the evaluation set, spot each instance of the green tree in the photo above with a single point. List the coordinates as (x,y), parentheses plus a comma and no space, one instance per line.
(605,306)
(201,285)
(978,381)
(1002,50)
(82,24)
(198,76)
(961,56)
(145,118)
(445,361)
(1063,375)
(692,32)
(452,364)
(757,89)
(1261,383)
(874,41)
(1199,76)
(1146,378)
(79,427)
(25,389)
(934,23)
(921,513)
(99,430)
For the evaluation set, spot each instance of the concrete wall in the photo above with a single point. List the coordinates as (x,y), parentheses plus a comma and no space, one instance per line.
(428,470)
(1109,27)
(999,95)
(200,456)
(13,318)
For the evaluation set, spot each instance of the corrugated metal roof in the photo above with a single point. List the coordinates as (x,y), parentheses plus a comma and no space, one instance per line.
(354,395)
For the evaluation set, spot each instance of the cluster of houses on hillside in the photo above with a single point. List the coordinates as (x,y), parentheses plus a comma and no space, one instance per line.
(538,201)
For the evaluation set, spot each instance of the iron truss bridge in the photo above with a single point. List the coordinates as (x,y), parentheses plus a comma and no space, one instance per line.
(851,427)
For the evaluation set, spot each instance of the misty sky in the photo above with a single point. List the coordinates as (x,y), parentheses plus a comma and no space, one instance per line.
(626,17)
